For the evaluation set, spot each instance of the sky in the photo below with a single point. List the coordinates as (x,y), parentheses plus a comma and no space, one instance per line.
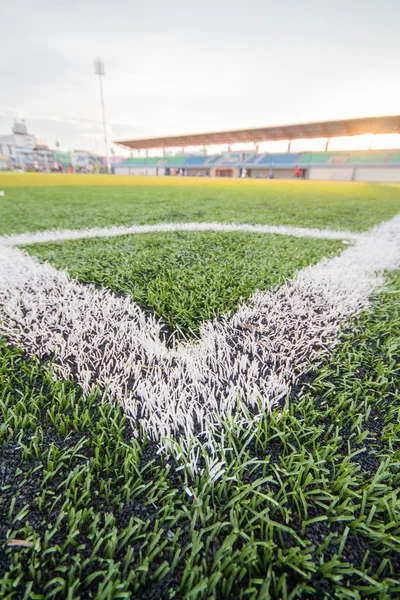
(186,67)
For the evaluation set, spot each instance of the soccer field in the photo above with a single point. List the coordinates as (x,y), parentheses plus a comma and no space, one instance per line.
(199,389)
(46,201)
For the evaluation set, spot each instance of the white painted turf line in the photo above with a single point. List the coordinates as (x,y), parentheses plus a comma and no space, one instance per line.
(58,235)
(255,357)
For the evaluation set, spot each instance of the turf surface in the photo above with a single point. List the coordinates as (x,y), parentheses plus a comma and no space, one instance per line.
(307,508)
(186,278)
(44,201)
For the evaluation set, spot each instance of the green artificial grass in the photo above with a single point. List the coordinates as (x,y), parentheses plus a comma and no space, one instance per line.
(308,506)
(335,205)
(186,278)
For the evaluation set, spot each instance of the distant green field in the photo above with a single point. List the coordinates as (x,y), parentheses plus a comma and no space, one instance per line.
(48,202)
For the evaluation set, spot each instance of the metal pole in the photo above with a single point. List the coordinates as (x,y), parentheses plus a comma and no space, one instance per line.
(104,126)
(99,70)
(371,142)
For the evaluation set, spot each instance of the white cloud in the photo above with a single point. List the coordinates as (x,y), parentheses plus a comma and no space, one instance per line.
(172,70)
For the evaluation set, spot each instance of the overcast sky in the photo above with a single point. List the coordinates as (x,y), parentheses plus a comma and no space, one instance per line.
(183,66)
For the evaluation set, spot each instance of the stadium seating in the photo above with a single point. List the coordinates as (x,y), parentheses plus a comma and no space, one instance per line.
(214,160)
(174,161)
(197,161)
(360,157)
(368,157)
(278,159)
(394,157)
(133,162)
(231,159)
(262,161)
(321,158)
(304,159)
(139,162)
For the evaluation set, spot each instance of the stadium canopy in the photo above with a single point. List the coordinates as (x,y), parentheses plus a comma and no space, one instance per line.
(320,129)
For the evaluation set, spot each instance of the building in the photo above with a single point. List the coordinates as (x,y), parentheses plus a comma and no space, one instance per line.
(5,164)
(63,159)
(21,150)
(19,146)
(369,165)
(43,158)
(80,161)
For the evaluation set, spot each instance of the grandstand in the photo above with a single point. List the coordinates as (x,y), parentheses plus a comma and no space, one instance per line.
(367,165)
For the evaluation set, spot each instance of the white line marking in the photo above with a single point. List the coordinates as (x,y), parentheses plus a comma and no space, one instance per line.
(58,235)
(254,357)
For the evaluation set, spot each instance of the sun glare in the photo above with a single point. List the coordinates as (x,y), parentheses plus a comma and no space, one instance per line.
(388,141)
(353,142)
(368,141)
(309,145)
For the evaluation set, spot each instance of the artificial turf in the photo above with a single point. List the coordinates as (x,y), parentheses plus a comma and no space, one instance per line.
(45,201)
(308,506)
(186,278)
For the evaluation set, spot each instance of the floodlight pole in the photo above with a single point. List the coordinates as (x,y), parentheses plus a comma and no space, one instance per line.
(99,70)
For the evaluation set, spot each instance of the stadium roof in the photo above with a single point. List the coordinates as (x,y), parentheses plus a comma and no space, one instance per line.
(320,129)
